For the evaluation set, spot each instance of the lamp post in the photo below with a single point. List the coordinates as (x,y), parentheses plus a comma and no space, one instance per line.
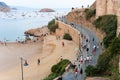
(25,64)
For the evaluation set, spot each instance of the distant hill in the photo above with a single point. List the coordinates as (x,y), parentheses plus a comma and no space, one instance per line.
(47,10)
(4,7)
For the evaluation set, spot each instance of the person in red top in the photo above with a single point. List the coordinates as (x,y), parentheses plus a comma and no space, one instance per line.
(76,71)
(63,44)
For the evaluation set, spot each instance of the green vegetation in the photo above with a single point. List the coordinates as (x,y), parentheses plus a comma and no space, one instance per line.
(89,13)
(91,70)
(51,76)
(67,36)
(108,23)
(52,26)
(58,69)
(107,64)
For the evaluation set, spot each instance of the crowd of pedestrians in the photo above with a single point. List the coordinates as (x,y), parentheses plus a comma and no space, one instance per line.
(87,53)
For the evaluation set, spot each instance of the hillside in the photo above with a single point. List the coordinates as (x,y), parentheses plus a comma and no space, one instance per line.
(4,7)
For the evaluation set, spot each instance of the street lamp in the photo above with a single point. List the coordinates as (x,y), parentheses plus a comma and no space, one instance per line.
(25,64)
(79,42)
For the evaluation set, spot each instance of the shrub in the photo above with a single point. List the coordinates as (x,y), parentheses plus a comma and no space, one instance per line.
(103,63)
(90,70)
(89,13)
(109,38)
(52,26)
(114,48)
(67,36)
(108,23)
(58,69)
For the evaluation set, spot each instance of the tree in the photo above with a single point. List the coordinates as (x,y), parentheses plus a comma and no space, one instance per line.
(52,26)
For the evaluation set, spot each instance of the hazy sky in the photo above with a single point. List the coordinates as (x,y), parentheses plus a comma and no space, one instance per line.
(49,3)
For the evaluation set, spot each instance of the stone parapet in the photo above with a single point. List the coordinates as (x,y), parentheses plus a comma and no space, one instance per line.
(65,28)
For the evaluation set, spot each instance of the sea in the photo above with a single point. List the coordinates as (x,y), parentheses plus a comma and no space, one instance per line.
(13,24)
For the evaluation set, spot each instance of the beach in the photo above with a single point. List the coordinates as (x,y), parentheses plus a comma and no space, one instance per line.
(48,51)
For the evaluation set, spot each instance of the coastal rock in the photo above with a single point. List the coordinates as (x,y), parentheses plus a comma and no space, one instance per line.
(37,32)
(47,10)
(4,7)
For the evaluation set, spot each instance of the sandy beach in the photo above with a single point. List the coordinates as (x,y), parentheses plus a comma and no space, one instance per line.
(48,51)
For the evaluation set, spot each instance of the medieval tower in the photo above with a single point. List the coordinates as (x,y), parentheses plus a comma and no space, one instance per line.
(104,7)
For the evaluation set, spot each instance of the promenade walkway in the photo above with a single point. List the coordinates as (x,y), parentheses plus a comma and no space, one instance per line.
(89,52)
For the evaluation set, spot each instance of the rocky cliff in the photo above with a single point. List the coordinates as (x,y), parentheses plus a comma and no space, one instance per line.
(4,7)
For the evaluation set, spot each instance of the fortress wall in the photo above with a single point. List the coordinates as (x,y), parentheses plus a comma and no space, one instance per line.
(105,7)
(118,26)
(64,28)
(118,14)
(110,7)
(100,8)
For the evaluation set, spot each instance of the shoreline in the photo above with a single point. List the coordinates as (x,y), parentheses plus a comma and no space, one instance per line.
(36,33)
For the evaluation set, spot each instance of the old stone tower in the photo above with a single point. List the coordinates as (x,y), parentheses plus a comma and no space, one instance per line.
(104,7)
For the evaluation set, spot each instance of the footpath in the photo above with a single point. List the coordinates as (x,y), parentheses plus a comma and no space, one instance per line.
(89,52)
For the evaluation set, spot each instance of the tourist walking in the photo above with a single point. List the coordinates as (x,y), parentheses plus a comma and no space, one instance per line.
(63,44)
(38,61)
(76,71)
(81,71)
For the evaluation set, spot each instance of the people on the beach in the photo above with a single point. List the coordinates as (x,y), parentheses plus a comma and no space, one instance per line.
(38,61)
(63,44)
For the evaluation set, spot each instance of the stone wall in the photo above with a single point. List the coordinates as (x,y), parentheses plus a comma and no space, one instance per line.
(118,26)
(100,7)
(105,7)
(64,28)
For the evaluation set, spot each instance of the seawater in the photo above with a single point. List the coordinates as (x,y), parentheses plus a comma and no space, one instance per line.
(13,24)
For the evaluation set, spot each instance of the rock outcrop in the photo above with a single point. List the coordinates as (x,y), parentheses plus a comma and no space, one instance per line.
(37,32)
(4,7)
(47,10)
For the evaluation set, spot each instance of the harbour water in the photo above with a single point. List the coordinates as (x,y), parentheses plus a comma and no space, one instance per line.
(13,24)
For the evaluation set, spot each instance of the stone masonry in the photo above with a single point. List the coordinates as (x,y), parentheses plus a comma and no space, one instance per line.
(105,7)
(64,28)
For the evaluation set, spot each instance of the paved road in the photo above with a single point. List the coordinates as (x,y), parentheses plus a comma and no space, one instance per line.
(90,40)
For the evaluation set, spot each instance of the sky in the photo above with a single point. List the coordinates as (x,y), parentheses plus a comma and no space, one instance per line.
(49,3)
